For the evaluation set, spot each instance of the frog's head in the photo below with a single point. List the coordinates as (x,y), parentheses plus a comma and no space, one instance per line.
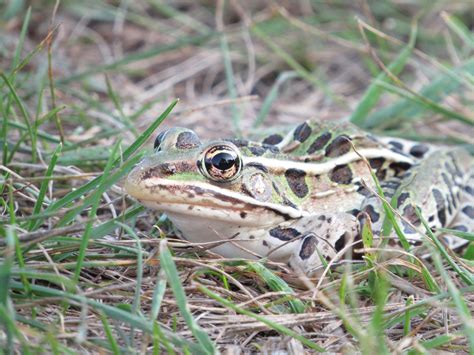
(214,181)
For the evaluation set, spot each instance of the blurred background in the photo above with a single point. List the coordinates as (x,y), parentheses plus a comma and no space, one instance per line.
(234,65)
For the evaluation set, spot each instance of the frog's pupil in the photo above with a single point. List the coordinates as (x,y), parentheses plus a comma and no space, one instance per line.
(223,161)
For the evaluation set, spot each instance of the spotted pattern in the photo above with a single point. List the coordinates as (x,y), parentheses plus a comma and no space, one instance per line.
(376,163)
(370,210)
(440,206)
(284,234)
(396,145)
(319,143)
(449,184)
(273,139)
(469,211)
(257,150)
(399,167)
(308,247)
(402,198)
(187,140)
(409,214)
(341,174)
(469,190)
(419,150)
(302,132)
(339,146)
(460,228)
(296,182)
(340,243)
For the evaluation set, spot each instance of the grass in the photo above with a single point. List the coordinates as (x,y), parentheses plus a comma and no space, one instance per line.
(83,268)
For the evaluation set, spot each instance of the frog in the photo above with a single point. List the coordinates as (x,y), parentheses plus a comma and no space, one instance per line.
(302,196)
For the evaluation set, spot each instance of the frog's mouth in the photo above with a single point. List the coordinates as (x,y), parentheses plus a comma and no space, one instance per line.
(207,201)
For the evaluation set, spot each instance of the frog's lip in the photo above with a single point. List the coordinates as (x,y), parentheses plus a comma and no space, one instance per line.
(176,196)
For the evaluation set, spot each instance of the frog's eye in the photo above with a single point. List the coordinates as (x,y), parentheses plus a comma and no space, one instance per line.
(159,140)
(221,162)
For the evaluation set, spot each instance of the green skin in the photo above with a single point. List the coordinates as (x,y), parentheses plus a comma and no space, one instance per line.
(295,197)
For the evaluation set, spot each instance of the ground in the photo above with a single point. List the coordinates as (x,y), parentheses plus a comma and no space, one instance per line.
(83,86)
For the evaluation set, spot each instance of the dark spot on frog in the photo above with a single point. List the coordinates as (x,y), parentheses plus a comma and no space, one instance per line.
(341,174)
(469,190)
(364,191)
(258,166)
(257,150)
(238,142)
(296,182)
(431,218)
(264,243)
(381,174)
(251,237)
(354,212)
(302,132)
(376,163)
(469,211)
(402,198)
(449,184)
(271,148)
(409,214)
(399,167)
(319,143)
(190,207)
(440,206)
(455,164)
(340,243)
(374,216)
(273,139)
(308,247)
(396,145)
(419,150)
(287,202)
(187,140)
(329,220)
(339,146)
(284,234)
(322,217)
(243,214)
(460,228)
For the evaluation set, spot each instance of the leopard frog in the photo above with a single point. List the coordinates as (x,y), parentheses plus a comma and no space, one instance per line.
(295,197)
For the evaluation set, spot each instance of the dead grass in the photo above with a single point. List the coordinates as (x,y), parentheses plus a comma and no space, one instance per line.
(116,66)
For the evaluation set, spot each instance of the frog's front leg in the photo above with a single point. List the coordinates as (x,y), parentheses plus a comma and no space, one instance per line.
(323,236)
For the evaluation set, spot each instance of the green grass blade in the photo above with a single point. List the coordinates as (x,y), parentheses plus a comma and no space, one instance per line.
(112,312)
(21,40)
(115,348)
(407,109)
(24,114)
(70,197)
(464,274)
(458,27)
(92,213)
(272,96)
(168,265)
(372,94)
(275,326)
(44,184)
(277,284)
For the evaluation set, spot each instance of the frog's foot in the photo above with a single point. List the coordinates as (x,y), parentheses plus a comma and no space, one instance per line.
(334,232)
